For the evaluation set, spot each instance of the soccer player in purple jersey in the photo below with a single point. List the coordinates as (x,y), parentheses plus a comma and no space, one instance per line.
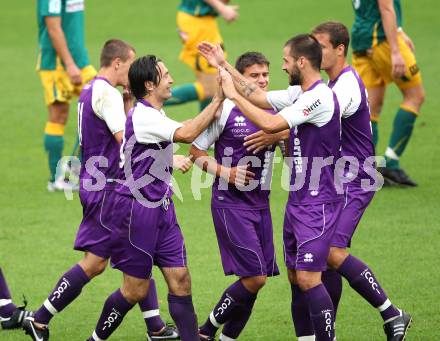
(101,122)
(357,142)
(240,210)
(311,111)
(11,316)
(145,229)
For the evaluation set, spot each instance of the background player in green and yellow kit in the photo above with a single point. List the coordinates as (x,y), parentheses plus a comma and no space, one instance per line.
(383,53)
(64,67)
(196,21)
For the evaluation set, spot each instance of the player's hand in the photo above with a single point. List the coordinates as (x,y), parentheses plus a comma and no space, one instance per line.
(398,64)
(229,13)
(408,41)
(259,141)
(74,74)
(213,53)
(182,162)
(240,176)
(227,84)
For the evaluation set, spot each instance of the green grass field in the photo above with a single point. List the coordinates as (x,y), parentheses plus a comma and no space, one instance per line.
(398,236)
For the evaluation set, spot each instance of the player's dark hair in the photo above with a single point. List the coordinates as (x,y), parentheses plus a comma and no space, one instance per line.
(337,32)
(250,58)
(115,48)
(144,69)
(306,45)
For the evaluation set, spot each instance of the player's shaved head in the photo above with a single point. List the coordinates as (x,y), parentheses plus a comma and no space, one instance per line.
(337,32)
(115,48)
(248,59)
(306,45)
(143,70)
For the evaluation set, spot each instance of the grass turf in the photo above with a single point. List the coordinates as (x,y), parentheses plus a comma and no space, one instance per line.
(398,236)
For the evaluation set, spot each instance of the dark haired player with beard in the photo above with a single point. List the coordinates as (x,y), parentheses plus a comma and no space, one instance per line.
(240,210)
(145,230)
(311,111)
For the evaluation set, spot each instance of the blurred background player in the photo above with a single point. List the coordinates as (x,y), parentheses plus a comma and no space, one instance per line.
(383,53)
(196,22)
(101,123)
(11,316)
(64,68)
(241,215)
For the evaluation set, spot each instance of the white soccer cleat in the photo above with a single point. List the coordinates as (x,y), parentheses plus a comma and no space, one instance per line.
(61,185)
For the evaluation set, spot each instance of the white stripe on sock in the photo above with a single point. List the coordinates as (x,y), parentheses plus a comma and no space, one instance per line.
(96,337)
(385,306)
(225,338)
(306,338)
(213,320)
(4,302)
(391,154)
(150,313)
(50,307)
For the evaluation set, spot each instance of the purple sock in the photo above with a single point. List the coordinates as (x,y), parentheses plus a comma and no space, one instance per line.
(362,279)
(67,289)
(332,281)
(239,317)
(235,295)
(301,313)
(6,305)
(182,311)
(321,313)
(150,309)
(115,308)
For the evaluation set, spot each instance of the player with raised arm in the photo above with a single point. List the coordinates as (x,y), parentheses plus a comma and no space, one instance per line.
(196,21)
(145,231)
(64,68)
(240,209)
(382,54)
(101,122)
(311,111)
(11,316)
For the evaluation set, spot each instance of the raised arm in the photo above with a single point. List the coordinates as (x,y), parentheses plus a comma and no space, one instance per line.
(59,43)
(215,56)
(228,12)
(389,21)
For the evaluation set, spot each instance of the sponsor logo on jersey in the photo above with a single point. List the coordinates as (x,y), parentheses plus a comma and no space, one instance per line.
(308,110)
(240,121)
(74,6)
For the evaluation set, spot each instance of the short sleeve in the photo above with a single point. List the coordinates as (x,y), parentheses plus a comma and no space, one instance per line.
(108,105)
(153,126)
(315,107)
(280,99)
(50,8)
(211,134)
(349,94)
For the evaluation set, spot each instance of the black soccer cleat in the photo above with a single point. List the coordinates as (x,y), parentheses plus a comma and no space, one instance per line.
(206,338)
(396,329)
(169,332)
(35,333)
(17,318)
(396,177)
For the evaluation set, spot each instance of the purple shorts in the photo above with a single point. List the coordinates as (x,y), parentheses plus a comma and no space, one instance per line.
(94,233)
(356,202)
(307,234)
(143,237)
(245,239)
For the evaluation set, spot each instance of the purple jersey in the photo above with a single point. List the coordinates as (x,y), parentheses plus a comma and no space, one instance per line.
(228,133)
(315,142)
(356,127)
(100,115)
(147,158)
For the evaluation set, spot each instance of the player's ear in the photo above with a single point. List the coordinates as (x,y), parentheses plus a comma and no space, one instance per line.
(149,85)
(117,62)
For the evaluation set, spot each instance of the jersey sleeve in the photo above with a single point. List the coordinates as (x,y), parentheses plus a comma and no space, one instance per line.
(50,8)
(211,134)
(315,107)
(349,95)
(280,99)
(152,126)
(108,105)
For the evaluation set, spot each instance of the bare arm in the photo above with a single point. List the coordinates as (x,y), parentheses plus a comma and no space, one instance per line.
(228,12)
(59,43)
(389,21)
(215,56)
(260,140)
(118,136)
